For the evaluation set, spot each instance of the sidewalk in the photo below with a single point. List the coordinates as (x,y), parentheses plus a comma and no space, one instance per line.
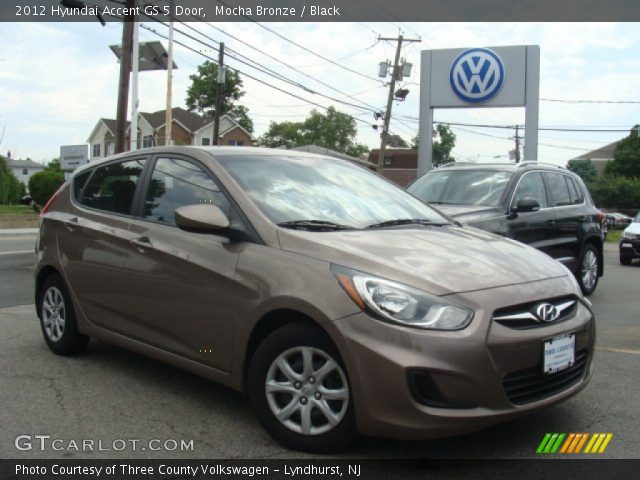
(14,232)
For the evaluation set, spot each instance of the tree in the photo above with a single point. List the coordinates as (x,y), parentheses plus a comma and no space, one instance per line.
(201,95)
(626,156)
(584,168)
(11,189)
(333,130)
(443,142)
(44,184)
(53,165)
(616,192)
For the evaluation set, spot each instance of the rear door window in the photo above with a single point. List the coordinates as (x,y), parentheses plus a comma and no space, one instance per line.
(176,183)
(574,190)
(558,189)
(112,187)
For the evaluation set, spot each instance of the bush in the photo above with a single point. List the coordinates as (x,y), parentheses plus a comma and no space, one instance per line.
(11,190)
(610,191)
(44,184)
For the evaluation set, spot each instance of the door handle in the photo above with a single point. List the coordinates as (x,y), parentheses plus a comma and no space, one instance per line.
(72,224)
(142,243)
(551,223)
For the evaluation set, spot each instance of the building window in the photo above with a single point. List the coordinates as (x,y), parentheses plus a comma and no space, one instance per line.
(206,141)
(96,150)
(25,171)
(387,160)
(237,143)
(147,141)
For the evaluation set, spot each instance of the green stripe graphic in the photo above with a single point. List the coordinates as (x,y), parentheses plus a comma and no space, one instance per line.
(543,443)
(558,443)
(550,443)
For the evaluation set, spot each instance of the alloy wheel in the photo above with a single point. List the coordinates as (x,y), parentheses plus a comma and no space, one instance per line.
(53,314)
(307,390)
(589,269)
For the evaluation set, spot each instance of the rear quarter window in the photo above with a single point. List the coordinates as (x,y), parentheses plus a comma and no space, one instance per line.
(79,182)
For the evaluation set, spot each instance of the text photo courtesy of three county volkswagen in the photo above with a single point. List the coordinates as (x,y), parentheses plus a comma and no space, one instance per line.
(258,237)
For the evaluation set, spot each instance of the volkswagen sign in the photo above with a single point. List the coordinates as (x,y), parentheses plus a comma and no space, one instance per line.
(477,75)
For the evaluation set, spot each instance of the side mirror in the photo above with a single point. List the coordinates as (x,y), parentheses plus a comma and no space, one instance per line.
(205,218)
(527,204)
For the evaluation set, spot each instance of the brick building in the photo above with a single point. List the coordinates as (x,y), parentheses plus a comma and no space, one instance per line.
(400,164)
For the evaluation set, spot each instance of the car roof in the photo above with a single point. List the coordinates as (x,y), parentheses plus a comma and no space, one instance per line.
(214,151)
(509,167)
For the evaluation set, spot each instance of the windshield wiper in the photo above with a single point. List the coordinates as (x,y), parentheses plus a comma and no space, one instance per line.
(404,221)
(315,225)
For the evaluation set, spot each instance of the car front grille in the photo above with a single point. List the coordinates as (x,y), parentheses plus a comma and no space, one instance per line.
(531,384)
(523,316)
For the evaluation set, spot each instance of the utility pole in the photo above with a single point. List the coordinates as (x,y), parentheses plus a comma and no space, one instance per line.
(517,139)
(125,70)
(396,74)
(168,120)
(220,85)
(135,60)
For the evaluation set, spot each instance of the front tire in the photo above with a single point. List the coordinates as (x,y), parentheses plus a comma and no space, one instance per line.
(298,388)
(588,268)
(625,259)
(58,319)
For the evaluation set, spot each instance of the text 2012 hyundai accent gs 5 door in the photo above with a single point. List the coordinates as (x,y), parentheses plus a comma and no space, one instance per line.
(335,300)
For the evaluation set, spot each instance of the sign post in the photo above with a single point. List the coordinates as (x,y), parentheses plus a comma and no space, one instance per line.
(478,78)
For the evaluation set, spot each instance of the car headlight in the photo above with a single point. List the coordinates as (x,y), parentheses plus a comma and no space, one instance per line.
(401,304)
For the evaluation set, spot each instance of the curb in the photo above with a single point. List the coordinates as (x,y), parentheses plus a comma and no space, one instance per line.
(14,232)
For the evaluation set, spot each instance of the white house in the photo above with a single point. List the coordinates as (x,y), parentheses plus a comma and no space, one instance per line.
(24,169)
(188,128)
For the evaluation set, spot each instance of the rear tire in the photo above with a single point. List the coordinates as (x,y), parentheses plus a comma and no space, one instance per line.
(297,374)
(588,268)
(625,259)
(58,319)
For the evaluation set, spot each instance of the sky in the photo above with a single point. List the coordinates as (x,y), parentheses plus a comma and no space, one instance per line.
(58,79)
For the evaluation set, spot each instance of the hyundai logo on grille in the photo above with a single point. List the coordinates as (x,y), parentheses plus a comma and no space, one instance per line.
(477,75)
(547,312)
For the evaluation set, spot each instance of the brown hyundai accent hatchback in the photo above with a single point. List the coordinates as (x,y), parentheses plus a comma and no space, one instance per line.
(335,300)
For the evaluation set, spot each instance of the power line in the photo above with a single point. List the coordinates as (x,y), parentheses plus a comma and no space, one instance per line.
(560,100)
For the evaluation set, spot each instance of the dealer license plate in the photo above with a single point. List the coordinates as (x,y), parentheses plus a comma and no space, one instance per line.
(559,353)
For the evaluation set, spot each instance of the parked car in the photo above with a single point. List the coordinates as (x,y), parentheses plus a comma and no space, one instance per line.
(630,242)
(337,302)
(545,206)
(618,221)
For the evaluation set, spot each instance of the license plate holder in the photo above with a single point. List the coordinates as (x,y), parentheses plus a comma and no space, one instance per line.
(559,353)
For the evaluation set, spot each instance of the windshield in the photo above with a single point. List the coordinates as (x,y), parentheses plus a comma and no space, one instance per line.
(292,189)
(462,187)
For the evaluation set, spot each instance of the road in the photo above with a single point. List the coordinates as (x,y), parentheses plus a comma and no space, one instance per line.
(109,394)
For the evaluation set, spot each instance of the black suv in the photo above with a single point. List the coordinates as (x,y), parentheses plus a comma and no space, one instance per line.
(545,206)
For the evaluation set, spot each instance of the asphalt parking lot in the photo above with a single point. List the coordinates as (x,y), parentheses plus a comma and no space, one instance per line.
(109,394)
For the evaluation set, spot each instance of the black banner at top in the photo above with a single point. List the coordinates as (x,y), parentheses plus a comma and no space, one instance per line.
(319,10)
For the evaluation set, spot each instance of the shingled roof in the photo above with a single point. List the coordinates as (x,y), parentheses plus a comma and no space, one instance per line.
(192,121)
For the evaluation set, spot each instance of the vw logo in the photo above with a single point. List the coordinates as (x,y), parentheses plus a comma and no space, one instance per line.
(477,75)
(547,312)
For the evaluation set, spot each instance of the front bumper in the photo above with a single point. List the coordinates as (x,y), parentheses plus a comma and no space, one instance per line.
(630,247)
(468,367)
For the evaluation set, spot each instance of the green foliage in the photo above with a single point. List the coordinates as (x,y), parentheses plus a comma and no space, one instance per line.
(201,95)
(43,185)
(584,168)
(11,189)
(626,156)
(610,191)
(443,142)
(53,165)
(333,130)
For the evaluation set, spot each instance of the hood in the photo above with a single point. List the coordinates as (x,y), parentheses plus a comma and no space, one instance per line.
(469,213)
(633,228)
(439,260)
